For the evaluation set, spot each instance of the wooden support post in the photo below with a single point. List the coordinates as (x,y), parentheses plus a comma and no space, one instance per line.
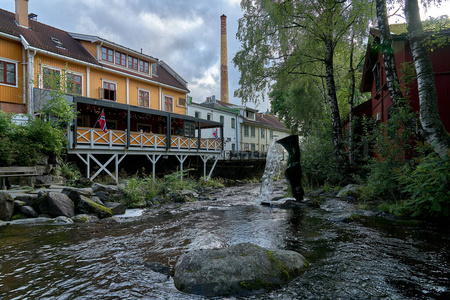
(181,159)
(153,160)
(103,166)
(204,159)
(212,169)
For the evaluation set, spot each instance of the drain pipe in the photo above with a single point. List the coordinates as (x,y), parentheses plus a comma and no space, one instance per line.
(30,69)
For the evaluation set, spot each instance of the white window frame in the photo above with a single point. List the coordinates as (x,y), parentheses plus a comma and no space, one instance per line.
(7,60)
(41,79)
(246,131)
(109,81)
(146,91)
(164,102)
(82,80)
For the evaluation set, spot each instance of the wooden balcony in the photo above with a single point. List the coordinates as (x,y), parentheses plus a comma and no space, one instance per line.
(96,139)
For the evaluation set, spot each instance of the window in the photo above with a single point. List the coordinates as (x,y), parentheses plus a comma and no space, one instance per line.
(222,119)
(246,147)
(208,117)
(143,66)
(181,102)
(376,76)
(198,114)
(168,103)
(246,130)
(233,125)
(132,62)
(233,147)
(144,98)
(7,73)
(189,129)
(271,134)
(121,59)
(250,115)
(74,84)
(107,54)
(109,91)
(252,131)
(50,78)
(263,133)
(253,147)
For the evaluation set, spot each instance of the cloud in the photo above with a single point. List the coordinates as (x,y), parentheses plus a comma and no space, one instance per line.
(185,34)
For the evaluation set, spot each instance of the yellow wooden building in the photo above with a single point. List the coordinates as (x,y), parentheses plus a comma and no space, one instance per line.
(142,97)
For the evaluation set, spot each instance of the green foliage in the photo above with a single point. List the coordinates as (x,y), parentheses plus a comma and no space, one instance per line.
(179,181)
(24,144)
(319,164)
(141,191)
(69,171)
(54,104)
(392,142)
(427,186)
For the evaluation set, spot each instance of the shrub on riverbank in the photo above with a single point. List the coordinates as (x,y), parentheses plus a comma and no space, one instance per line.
(146,191)
(24,145)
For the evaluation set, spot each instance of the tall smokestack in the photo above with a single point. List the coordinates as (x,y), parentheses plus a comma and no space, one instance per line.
(223,60)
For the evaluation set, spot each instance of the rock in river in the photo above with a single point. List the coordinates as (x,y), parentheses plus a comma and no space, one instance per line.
(241,269)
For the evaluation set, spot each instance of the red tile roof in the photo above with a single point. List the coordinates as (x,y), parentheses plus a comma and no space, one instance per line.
(40,36)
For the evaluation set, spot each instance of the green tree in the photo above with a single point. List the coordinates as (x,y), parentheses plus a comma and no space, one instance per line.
(432,127)
(286,40)
(53,100)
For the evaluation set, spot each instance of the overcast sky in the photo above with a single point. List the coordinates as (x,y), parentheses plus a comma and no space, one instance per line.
(183,33)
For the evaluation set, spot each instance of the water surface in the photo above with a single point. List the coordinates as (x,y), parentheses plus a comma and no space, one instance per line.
(371,258)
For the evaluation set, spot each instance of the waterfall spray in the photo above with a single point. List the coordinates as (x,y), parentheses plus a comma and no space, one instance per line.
(273,169)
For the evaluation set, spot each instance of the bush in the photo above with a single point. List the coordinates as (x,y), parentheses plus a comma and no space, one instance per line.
(392,142)
(427,187)
(141,191)
(24,144)
(318,160)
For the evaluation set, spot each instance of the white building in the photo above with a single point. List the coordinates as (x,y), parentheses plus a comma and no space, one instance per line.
(229,117)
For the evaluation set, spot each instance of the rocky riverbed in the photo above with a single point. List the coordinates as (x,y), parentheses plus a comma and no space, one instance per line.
(353,254)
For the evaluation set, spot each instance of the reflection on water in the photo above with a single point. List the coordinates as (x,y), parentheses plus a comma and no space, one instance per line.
(371,258)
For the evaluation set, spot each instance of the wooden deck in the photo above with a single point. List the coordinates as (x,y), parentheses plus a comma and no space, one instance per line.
(96,139)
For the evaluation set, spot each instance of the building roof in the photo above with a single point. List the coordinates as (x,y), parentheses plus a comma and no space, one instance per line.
(261,119)
(60,42)
(40,36)
(270,120)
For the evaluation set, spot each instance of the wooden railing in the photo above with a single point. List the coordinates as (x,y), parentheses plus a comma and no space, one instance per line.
(93,138)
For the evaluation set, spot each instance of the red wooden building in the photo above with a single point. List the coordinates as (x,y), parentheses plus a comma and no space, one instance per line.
(374,78)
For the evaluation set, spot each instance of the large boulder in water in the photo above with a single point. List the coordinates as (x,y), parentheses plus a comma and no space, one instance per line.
(241,269)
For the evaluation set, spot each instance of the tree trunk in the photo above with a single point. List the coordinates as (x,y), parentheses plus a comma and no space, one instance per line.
(432,126)
(387,50)
(352,96)
(334,108)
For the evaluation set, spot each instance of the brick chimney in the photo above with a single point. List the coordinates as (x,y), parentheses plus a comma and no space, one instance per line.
(22,13)
(223,60)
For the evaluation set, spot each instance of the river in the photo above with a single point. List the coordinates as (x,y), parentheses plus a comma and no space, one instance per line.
(373,257)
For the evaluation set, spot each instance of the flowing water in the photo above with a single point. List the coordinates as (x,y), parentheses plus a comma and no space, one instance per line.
(373,257)
(273,169)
